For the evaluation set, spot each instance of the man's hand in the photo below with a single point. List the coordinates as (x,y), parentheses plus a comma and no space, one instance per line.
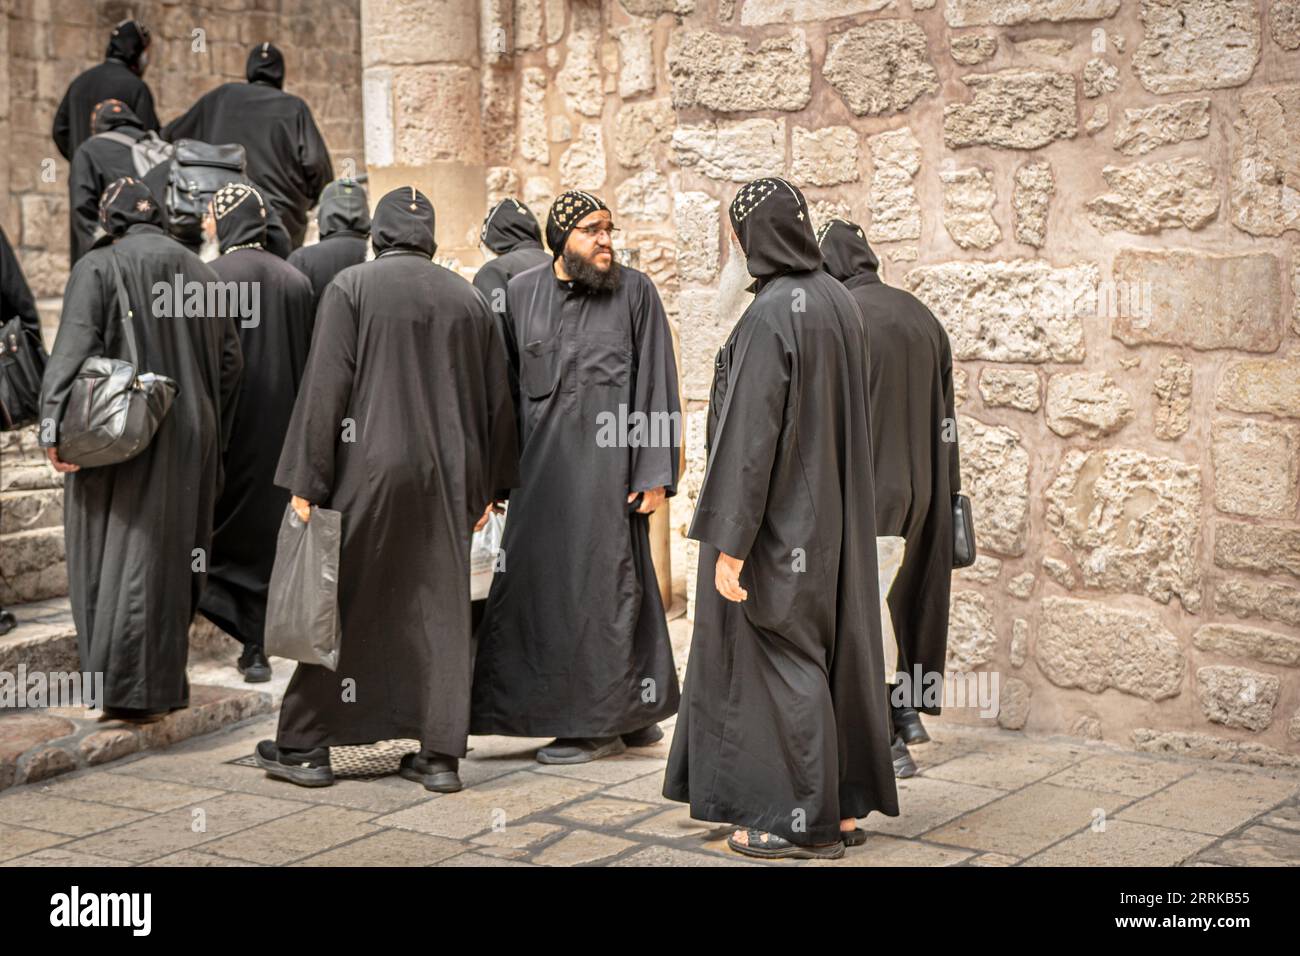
(302,508)
(726,577)
(491,507)
(652,499)
(59,464)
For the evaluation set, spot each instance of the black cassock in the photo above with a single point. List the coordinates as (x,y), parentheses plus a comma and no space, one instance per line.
(784,725)
(286,156)
(574,642)
(405,356)
(513,233)
(250,508)
(98,161)
(131,529)
(344,223)
(917,472)
(15,295)
(114,79)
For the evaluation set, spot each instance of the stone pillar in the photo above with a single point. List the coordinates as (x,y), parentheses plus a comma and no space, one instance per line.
(421,83)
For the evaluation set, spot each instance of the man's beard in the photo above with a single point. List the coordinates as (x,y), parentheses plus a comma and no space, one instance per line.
(582,271)
(733,286)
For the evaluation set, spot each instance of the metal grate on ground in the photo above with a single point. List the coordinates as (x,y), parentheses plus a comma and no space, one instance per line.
(358,763)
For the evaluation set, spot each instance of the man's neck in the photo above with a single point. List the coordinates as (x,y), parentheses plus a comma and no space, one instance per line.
(561,273)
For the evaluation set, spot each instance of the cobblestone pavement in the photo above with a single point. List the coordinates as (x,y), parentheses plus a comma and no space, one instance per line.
(985,797)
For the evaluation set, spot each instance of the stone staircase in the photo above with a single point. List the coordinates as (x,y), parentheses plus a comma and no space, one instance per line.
(32,565)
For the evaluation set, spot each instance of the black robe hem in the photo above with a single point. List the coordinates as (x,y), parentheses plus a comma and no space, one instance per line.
(500,727)
(300,741)
(767,823)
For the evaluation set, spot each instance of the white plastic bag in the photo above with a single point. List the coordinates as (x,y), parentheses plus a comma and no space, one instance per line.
(484,548)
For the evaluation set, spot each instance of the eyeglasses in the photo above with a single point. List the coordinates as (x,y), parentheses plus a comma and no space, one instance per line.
(592,231)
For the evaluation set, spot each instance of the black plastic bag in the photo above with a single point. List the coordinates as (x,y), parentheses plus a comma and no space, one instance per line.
(302,610)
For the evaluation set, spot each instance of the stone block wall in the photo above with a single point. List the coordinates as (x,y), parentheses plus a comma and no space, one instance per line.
(196,47)
(1100,199)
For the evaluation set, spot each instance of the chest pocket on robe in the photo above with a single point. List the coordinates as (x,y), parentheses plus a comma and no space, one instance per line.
(605,359)
(539,367)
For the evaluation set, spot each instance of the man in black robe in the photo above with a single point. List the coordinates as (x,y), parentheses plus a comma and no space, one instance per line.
(287,159)
(784,726)
(98,161)
(119,77)
(574,643)
(274,342)
(343,219)
(914,446)
(403,423)
(16,299)
(133,531)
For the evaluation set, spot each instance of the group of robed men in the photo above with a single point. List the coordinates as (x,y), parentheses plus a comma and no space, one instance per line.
(824,432)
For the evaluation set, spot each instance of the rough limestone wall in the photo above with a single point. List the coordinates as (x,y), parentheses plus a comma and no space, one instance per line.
(51,41)
(1101,201)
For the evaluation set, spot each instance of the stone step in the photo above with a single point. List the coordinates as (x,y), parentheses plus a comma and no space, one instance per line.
(21,447)
(37,744)
(32,566)
(45,638)
(28,510)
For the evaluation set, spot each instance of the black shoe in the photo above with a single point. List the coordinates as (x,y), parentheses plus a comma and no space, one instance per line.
(137,715)
(436,771)
(306,768)
(254,665)
(580,750)
(904,765)
(907,724)
(855,837)
(645,737)
(7,621)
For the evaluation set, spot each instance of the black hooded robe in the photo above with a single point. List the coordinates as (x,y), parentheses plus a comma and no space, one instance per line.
(784,725)
(250,508)
(344,222)
(98,161)
(286,156)
(916,471)
(574,642)
(15,294)
(403,424)
(132,529)
(114,79)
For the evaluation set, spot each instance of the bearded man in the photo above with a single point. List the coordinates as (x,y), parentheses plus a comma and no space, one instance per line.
(574,643)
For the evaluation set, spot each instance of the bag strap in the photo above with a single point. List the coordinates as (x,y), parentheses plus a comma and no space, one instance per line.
(124,311)
(116,137)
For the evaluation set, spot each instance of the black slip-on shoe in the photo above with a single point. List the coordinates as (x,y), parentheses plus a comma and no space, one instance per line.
(7,621)
(907,724)
(580,750)
(436,772)
(645,737)
(306,768)
(855,837)
(904,765)
(769,846)
(254,665)
(137,715)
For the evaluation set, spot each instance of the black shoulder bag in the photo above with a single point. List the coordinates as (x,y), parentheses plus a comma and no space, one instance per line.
(963,533)
(113,410)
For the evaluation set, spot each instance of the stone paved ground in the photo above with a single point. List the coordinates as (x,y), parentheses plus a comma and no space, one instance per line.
(985,797)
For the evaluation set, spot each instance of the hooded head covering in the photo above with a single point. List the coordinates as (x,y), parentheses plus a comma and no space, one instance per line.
(771,220)
(845,250)
(265,65)
(510,225)
(110,114)
(403,220)
(569,209)
(241,217)
(127,41)
(125,203)
(343,208)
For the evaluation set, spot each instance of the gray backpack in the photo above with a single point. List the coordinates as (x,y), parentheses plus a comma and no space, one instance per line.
(148,151)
